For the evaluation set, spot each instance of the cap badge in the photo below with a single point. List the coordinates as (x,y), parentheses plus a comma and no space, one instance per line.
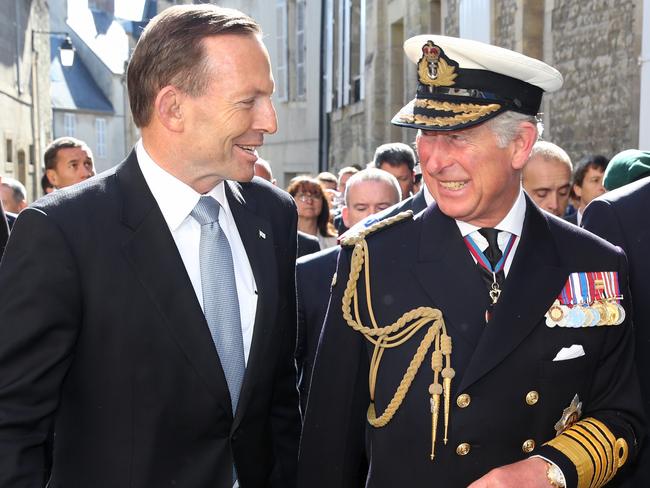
(435,68)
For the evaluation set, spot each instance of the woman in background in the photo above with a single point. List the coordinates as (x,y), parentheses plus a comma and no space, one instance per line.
(313,210)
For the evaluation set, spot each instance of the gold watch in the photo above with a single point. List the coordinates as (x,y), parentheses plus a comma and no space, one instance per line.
(555,476)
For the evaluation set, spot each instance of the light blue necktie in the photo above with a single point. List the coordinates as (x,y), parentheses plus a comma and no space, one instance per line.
(220,302)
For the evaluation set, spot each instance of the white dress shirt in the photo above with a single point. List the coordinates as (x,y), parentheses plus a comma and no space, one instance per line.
(176,200)
(512,223)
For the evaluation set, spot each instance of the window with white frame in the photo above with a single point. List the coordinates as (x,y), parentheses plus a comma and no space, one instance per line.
(475,19)
(346,50)
(301,50)
(100,136)
(69,124)
(282,62)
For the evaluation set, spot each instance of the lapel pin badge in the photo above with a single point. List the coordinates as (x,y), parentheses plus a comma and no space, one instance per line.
(261,234)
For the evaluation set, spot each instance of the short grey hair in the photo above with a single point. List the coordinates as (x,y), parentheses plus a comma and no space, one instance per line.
(373,174)
(19,192)
(505,126)
(550,152)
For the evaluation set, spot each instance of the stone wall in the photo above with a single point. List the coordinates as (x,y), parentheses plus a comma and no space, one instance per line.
(595,44)
(504,23)
(596,48)
(451,20)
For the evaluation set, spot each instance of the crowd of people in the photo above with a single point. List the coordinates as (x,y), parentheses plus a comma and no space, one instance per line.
(443,317)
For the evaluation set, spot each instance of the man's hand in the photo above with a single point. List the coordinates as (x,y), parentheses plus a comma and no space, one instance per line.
(529,473)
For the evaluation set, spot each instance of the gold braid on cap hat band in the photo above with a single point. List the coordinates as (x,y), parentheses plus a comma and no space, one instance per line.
(594,450)
(397,334)
(467,112)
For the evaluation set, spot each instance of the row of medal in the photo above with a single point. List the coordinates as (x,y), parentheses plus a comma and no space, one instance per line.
(588,299)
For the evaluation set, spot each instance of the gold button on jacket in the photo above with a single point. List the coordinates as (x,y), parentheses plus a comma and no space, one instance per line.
(463,400)
(528,446)
(463,449)
(532,397)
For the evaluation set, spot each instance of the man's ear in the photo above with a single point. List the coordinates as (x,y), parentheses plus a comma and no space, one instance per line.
(53,178)
(577,190)
(345,216)
(168,108)
(522,144)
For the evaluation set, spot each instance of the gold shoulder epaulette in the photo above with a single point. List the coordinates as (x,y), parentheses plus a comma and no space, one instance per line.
(360,231)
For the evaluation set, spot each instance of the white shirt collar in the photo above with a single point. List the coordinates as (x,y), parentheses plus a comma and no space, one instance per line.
(175,199)
(513,222)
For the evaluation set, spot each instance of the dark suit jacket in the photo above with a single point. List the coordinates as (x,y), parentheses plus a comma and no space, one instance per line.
(416,203)
(424,262)
(313,280)
(572,218)
(106,339)
(621,217)
(11,218)
(307,244)
(4,230)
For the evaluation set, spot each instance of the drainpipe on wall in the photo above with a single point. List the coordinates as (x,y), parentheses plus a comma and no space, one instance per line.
(323,126)
(644,61)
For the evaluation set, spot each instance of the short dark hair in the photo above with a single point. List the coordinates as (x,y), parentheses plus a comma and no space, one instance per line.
(171,51)
(45,183)
(52,150)
(394,154)
(595,161)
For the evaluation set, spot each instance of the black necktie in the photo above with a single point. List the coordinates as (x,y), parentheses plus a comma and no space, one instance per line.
(494,255)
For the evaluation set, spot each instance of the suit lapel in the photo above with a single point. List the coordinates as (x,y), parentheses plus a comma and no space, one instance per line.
(153,254)
(449,276)
(257,236)
(535,278)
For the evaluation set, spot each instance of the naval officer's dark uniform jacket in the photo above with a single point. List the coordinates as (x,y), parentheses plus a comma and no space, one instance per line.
(507,394)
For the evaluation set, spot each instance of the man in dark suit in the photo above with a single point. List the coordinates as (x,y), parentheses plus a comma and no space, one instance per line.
(620,216)
(468,339)
(4,230)
(156,328)
(368,192)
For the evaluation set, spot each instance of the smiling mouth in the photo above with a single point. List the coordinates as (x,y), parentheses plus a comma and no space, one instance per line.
(453,185)
(250,149)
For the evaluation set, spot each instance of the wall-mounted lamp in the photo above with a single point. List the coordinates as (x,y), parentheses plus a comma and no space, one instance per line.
(66,49)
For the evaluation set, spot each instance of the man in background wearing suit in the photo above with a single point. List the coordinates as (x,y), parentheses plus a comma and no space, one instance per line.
(620,216)
(367,192)
(157,326)
(4,228)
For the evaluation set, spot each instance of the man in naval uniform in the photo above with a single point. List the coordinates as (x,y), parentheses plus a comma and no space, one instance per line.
(483,342)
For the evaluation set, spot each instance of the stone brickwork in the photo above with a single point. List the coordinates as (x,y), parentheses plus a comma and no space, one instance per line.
(451,20)
(594,43)
(504,26)
(595,46)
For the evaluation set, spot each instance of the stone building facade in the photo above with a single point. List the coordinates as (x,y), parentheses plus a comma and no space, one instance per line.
(24,90)
(596,45)
(356,62)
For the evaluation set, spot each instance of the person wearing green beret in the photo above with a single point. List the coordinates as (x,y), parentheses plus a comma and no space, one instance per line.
(626,167)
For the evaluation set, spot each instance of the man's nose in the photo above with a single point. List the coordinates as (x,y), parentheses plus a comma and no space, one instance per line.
(267,120)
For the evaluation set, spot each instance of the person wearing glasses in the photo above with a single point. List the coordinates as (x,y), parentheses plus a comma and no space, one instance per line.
(313,210)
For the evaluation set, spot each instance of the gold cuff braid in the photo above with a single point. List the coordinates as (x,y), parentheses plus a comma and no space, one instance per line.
(594,450)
